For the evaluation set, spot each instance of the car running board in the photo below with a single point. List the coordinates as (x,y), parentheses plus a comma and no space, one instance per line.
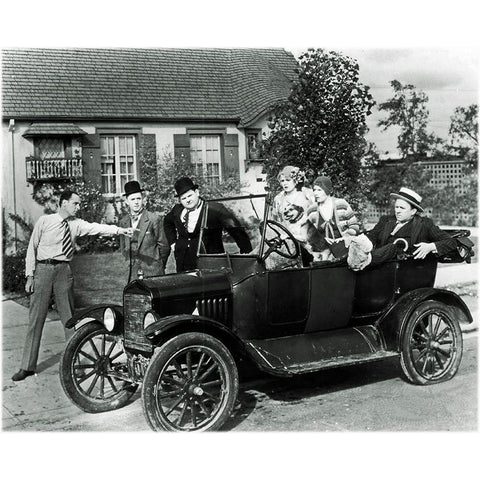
(287,356)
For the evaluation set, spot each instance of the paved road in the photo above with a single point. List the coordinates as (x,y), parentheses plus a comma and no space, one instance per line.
(361,398)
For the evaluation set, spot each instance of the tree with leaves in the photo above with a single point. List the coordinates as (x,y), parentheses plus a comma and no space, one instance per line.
(463,133)
(320,127)
(463,143)
(406,110)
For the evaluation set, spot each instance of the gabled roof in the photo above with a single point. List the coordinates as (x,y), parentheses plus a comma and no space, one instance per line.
(156,84)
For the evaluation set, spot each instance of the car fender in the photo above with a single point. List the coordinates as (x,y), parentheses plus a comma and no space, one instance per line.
(166,327)
(94,314)
(392,323)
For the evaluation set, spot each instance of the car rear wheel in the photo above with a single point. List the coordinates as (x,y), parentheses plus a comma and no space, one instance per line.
(191,384)
(87,368)
(431,343)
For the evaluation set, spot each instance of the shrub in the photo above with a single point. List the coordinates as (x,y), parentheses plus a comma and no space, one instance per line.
(159,176)
(13,271)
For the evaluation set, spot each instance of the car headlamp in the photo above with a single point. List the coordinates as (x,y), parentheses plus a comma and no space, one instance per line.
(148,319)
(109,318)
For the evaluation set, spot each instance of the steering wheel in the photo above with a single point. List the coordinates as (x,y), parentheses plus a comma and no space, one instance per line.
(285,247)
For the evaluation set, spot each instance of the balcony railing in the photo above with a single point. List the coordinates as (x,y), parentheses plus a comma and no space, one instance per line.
(53,168)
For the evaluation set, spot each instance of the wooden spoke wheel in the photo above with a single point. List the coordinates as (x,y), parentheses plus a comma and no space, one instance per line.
(191,384)
(88,369)
(431,343)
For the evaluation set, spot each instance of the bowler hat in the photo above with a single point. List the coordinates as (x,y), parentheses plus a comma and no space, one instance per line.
(132,187)
(183,185)
(413,198)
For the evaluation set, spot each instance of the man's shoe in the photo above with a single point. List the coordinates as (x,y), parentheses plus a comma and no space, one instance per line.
(22,375)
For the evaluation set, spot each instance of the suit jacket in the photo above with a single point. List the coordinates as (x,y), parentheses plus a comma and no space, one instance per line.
(148,250)
(186,243)
(422,229)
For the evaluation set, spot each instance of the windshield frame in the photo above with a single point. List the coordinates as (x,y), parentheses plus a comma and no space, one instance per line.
(229,199)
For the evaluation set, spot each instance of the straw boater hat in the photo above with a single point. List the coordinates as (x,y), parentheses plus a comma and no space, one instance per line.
(413,198)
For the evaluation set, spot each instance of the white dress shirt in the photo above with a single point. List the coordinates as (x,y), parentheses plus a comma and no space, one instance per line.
(192,217)
(46,240)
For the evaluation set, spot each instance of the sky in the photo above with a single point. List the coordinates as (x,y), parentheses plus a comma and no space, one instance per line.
(449,77)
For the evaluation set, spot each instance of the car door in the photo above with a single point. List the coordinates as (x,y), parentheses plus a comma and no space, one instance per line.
(332,288)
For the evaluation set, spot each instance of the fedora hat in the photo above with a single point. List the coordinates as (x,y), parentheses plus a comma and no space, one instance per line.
(413,198)
(132,187)
(183,185)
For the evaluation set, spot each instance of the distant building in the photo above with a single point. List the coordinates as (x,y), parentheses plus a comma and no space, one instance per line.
(445,172)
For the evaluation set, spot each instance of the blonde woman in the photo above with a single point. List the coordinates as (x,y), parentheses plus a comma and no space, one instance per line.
(290,207)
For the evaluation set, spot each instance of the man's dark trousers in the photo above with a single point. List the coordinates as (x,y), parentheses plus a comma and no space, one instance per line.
(48,278)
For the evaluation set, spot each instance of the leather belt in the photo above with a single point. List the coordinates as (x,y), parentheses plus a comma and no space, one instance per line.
(51,261)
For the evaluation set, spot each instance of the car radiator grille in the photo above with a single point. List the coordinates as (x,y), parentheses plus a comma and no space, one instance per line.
(216,308)
(135,307)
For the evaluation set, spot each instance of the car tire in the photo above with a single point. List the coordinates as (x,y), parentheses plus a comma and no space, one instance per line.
(191,384)
(431,343)
(84,370)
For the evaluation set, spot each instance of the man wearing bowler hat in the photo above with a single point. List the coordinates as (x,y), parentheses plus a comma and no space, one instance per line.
(183,222)
(407,230)
(147,250)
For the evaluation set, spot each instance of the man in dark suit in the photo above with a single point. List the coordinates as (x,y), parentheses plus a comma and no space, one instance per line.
(147,250)
(182,226)
(420,236)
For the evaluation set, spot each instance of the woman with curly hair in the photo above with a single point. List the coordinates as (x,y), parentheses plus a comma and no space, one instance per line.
(290,208)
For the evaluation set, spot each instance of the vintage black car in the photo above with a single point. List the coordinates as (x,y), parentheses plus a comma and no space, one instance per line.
(183,336)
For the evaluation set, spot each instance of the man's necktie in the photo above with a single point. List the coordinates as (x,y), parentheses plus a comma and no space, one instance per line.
(67,246)
(185,220)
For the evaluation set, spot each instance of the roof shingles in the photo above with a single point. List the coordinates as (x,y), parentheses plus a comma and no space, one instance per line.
(166,84)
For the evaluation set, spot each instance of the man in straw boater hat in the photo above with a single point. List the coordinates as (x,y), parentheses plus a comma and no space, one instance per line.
(147,250)
(183,222)
(407,230)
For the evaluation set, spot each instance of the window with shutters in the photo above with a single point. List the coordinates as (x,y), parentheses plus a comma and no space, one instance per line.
(118,162)
(205,155)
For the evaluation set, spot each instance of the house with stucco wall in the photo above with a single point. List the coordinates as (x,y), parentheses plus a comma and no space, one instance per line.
(91,113)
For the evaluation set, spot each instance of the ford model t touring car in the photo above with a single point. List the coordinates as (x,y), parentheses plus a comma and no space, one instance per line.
(182,337)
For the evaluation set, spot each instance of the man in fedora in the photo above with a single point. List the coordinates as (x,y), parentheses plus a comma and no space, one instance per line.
(147,250)
(407,230)
(183,222)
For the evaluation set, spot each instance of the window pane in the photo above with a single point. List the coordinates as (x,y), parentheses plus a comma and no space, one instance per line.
(117,166)
(50,148)
(205,156)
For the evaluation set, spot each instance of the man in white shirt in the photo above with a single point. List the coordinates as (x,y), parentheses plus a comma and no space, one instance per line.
(47,268)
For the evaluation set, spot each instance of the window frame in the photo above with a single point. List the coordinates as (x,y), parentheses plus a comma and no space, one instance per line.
(258,133)
(218,133)
(117,134)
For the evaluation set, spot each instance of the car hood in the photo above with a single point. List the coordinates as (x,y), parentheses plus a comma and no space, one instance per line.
(207,283)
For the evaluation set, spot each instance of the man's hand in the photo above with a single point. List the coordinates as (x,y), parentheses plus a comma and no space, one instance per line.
(128,232)
(29,284)
(423,249)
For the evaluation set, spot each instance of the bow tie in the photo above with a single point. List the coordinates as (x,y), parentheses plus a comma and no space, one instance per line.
(136,217)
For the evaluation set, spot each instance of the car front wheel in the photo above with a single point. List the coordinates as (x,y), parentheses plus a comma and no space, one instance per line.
(431,344)
(88,366)
(191,384)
